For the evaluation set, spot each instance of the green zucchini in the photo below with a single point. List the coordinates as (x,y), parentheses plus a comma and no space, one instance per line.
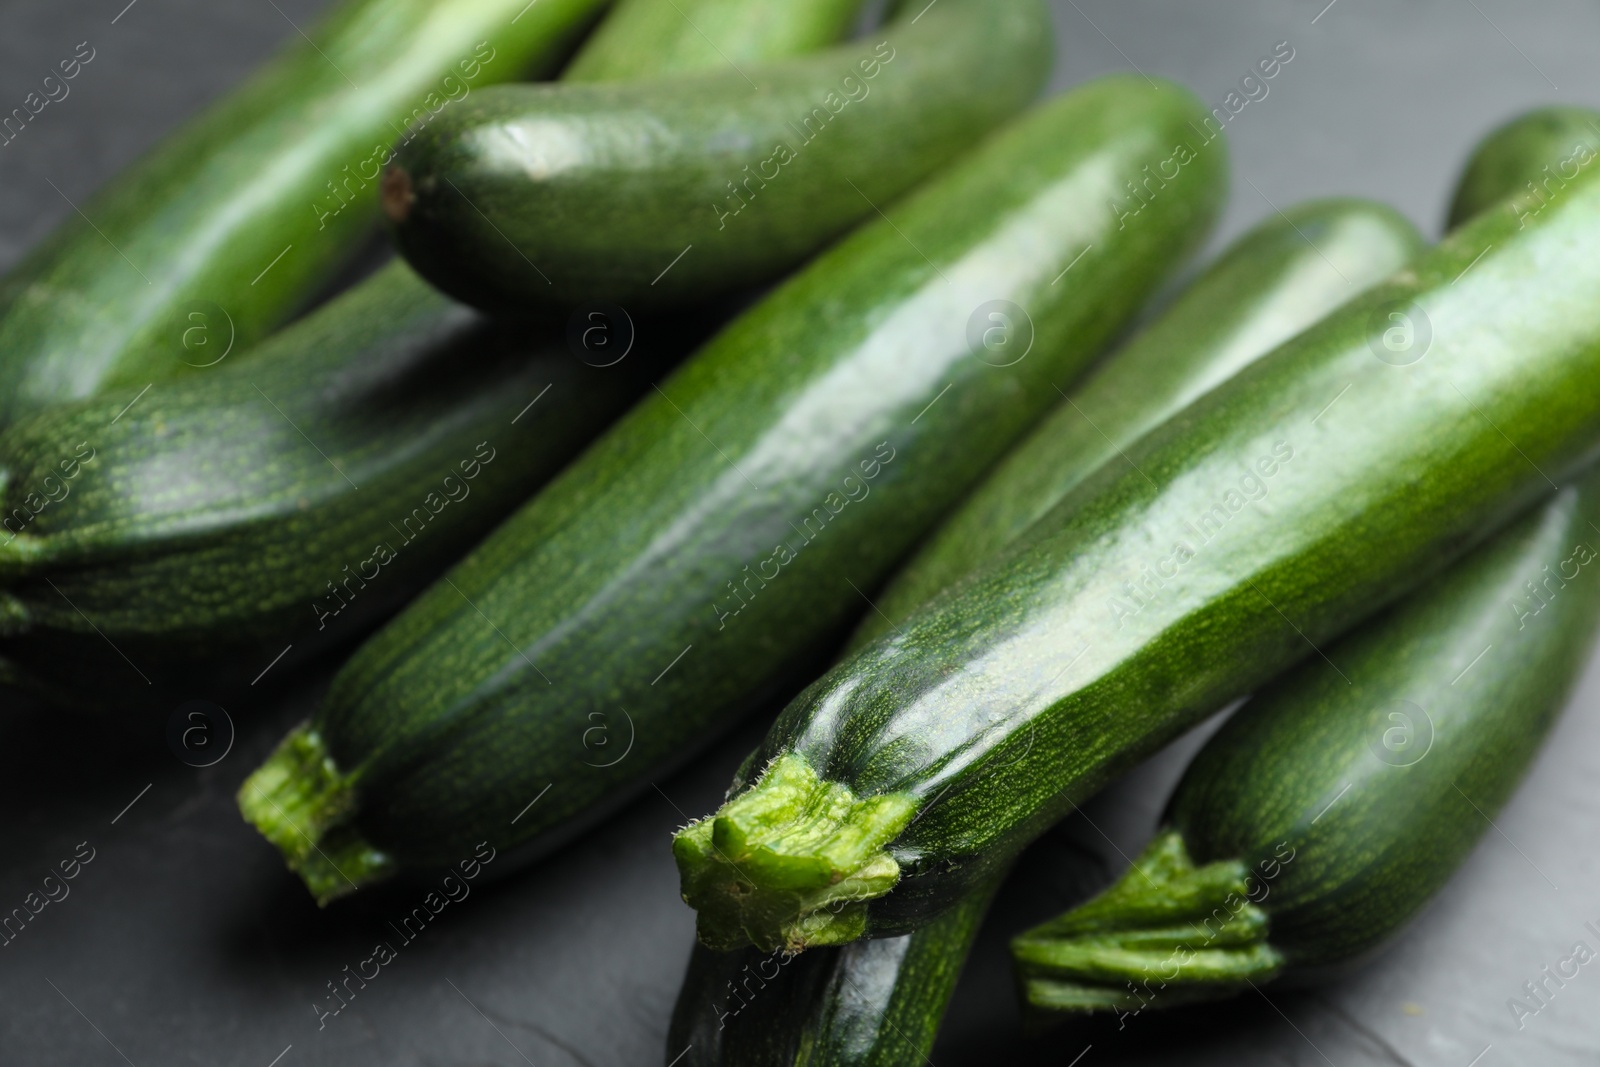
(649,194)
(667,580)
(1329,810)
(881,1000)
(1534,155)
(678,43)
(1314,487)
(296,497)
(1270,285)
(874,1003)
(170,548)
(223,230)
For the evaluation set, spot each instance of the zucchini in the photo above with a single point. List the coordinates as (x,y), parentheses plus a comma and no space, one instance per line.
(668,579)
(1312,488)
(1534,155)
(881,1001)
(222,231)
(746,33)
(171,546)
(873,1003)
(1271,284)
(646,195)
(142,541)
(1329,810)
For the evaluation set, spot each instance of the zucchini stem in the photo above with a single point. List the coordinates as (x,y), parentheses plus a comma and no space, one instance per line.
(790,863)
(1165,933)
(300,802)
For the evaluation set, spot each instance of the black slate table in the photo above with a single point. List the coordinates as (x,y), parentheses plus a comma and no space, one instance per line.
(183,940)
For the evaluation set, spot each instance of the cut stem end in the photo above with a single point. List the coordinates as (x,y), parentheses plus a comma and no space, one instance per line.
(300,801)
(790,863)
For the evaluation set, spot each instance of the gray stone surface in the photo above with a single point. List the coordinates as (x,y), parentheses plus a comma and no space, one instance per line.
(184,941)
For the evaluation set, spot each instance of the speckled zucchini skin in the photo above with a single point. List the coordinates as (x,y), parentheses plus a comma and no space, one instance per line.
(175,540)
(667,578)
(1018,692)
(244,507)
(166,268)
(1329,810)
(881,1001)
(1271,284)
(538,194)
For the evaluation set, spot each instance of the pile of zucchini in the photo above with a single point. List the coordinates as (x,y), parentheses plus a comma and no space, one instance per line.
(781,360)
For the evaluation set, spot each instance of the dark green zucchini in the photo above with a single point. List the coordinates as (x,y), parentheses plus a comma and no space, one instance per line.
(1302,495)
(171,547)
(1527,163)
(721,531)
(874,1003)
(1329,810)
(223,230)
(881,1000)
(294,498)
(745,34)
(650,194)
(1271,284)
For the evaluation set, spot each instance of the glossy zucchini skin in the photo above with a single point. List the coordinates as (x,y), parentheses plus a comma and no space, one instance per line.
(175,262)
(1268,286)
(171,542)
(670,576)
(1328,811)
(883,999)
(943,748)
(1527,162)
(296,497)
(649,194)
(874,1003)
(678,39)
